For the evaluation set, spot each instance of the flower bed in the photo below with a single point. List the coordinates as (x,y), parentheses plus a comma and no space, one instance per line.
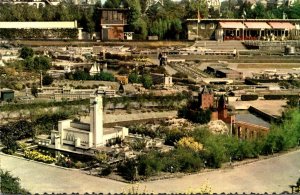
(35,155)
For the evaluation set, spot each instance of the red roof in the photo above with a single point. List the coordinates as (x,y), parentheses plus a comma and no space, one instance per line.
(234,25)
(257,25)
(281,25)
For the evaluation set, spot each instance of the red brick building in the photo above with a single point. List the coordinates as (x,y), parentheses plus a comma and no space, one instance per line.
(206,98)
(112,22)
(219,110)
(243,126)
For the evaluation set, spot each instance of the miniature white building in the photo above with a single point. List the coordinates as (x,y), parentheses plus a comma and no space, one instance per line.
(95,69)
(83,135)
(163,79)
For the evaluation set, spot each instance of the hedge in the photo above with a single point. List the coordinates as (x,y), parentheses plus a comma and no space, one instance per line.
(38,33)
(249,97)
(280,97)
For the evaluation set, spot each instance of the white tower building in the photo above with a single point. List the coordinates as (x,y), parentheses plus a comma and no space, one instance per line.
(96,120)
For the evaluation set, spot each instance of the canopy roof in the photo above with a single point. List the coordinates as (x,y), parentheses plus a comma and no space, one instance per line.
(257,25)
(234,25)
(281,25)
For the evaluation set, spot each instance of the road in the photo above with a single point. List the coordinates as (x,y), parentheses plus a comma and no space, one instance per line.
(269,175)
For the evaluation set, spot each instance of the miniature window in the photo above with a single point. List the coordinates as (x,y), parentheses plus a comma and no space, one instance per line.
(212,26)
(202,26)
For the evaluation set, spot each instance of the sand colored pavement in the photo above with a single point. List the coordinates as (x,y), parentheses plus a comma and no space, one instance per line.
(269,175)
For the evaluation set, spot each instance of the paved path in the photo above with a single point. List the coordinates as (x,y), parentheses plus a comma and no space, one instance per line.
(270,175)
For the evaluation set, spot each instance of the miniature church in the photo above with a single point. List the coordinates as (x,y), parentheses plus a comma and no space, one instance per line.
(218,109)
(82,136)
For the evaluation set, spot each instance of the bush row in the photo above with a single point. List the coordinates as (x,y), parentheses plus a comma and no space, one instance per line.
(280,97)
(38,33)
(217,149)
(249,97)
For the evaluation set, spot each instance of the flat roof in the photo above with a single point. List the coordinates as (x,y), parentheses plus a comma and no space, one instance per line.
(39,25)
(7,90)
(227,70)
(76,129)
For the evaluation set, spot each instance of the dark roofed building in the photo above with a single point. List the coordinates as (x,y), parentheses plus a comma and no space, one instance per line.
(7,95)
(112,22)
(249,126)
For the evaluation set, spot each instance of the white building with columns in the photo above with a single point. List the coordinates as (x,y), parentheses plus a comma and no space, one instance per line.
(83,136)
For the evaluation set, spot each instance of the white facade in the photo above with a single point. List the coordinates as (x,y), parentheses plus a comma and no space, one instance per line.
(96,120)
(84,135)
(95,69)
(68,93)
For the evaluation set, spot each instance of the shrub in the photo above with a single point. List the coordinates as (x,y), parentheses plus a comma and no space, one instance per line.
(106,171)
(47,80)
(26,52)
(10,184)
(79,165)
(180,75)
(249,97)
(128,169)
(279,97)
(149,164)
(104,76)
(189,143)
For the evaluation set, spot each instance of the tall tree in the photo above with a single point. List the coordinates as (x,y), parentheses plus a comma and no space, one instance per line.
(136,22)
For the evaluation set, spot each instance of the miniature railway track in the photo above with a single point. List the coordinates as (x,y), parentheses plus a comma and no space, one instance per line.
(192,71)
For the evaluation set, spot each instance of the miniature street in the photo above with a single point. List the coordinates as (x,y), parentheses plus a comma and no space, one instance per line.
(269,175)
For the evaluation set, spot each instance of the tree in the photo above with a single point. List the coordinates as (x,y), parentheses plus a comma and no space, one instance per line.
(38,63)
(11,132)
(41,63)
(147,81)
(259,11)
(112,4)
(26,52)
(34,91)
(294,11)
(47,80)
(136,22)
(10,184)
(133,77)
(104,76)
(81,75)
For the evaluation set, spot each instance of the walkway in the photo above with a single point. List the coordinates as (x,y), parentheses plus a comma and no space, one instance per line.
(270,175)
